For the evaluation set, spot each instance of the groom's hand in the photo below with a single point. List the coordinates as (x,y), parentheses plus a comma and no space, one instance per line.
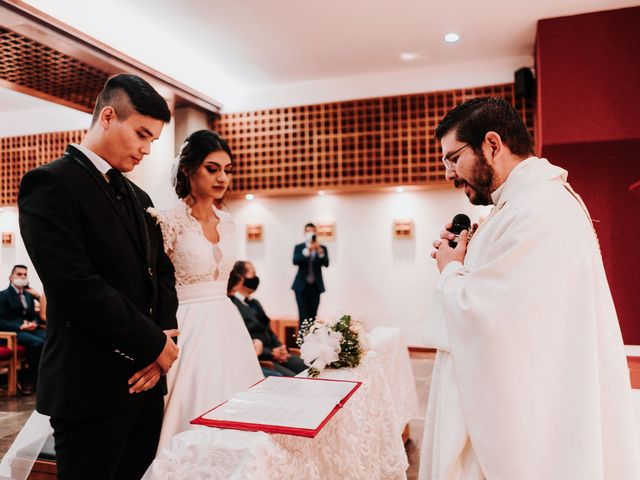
(145,379)
(169,353)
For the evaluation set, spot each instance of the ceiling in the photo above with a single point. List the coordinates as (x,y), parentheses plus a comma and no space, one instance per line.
(227,49)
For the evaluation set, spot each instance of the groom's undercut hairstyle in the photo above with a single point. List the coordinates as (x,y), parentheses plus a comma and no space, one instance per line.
(127,93)
(472,120)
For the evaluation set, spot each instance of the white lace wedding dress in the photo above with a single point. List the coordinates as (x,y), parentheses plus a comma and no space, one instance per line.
(217,358)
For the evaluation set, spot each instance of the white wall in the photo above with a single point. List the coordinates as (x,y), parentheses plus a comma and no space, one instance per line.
(26,115)
(401,82)
(16,253)
(383,280)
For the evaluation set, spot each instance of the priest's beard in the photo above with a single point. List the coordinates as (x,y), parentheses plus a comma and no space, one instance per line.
(480,182)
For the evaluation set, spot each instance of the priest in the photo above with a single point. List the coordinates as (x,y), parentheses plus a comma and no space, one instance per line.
(530,379)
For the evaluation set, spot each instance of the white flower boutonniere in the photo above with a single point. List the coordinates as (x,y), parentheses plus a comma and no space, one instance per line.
(154,213)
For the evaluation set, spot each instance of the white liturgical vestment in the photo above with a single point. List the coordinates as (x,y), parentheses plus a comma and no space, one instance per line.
(530,380)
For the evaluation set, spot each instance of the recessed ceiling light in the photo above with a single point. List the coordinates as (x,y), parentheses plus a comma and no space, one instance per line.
(408,56)
(399,189)
(451,37)
(249,196)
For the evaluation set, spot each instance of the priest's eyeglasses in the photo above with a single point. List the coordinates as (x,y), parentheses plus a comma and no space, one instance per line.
(448,162)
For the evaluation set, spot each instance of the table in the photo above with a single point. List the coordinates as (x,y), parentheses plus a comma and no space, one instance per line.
(388,342)
(362,441)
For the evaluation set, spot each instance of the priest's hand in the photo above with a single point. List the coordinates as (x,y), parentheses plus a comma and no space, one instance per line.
(444,254)
(145,379)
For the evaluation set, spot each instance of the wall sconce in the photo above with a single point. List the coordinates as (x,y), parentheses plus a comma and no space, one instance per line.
(7,239)
(254,232)
(402,228)
(326,231)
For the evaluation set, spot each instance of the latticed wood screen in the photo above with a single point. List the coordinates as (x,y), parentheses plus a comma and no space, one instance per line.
(18,155)
(343,146)
(35,66)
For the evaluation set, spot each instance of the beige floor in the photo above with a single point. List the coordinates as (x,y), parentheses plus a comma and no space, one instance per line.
(15,411)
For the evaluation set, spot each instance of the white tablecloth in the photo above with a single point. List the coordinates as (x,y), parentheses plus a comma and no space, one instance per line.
(362,441)
(394,356)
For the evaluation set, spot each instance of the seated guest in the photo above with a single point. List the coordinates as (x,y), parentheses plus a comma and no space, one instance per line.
(17,314)
(257,323)
(267,372)
(235,280)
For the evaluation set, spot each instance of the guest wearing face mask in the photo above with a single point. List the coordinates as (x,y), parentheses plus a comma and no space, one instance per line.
(258,323)
(234,283)
(309,257)
(18,314)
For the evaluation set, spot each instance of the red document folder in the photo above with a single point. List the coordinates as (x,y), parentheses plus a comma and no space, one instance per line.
(271,428)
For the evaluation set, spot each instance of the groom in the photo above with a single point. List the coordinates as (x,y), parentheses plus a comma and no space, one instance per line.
(110,288)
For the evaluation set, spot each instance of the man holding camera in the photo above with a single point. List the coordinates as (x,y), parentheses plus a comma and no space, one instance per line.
(310,257)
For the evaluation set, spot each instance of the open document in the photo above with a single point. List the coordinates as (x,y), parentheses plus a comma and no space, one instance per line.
(289,405)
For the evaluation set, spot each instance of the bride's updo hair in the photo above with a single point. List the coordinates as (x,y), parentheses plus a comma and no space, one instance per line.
(195,149)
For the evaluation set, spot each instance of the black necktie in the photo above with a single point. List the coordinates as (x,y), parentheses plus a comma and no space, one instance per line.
(117,183)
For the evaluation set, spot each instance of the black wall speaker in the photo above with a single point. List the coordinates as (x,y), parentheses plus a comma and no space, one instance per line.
(525,84)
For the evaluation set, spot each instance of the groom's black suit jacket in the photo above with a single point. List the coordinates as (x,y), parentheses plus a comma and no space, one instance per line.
(110,287)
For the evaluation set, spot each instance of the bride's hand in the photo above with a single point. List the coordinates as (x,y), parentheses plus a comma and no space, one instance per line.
(169,353)
(145,379)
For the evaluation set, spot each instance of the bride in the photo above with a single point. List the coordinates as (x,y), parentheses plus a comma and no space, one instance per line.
(217,358)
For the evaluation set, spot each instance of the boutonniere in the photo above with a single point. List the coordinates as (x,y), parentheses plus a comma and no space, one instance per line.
(154,214)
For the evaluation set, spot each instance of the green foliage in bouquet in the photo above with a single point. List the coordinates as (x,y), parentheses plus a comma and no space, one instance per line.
(351,351)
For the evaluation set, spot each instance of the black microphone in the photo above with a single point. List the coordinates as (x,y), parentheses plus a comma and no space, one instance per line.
(459,223)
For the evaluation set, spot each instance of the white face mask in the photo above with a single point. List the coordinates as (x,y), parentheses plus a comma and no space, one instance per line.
(21,282)
(308,236)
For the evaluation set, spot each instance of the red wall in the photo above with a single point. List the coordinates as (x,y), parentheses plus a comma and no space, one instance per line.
(602,173)
(588,85)
(588,70)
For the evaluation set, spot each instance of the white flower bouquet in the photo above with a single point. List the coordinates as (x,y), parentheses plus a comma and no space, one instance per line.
(332,343)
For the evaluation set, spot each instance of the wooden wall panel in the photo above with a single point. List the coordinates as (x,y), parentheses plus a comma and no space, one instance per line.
(18,155)
(346,146)
(30,65)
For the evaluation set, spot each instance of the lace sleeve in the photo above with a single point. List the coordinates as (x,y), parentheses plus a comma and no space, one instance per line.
(169,233)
